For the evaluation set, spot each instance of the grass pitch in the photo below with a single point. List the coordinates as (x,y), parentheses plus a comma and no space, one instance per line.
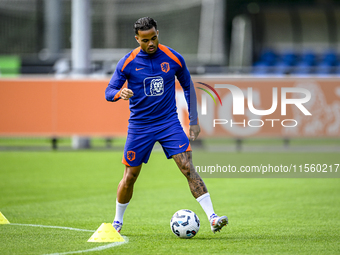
(77,190)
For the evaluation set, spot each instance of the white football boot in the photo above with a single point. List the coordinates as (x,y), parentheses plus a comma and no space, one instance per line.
(117,225)
(217,223)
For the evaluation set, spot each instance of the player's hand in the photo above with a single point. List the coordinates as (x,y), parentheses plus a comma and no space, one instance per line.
(194,130)
(126,93)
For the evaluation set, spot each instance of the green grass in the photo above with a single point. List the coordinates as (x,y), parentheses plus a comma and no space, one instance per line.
(77,190)
(97,142)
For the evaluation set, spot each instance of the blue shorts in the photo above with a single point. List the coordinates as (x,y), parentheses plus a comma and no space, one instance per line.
(138,146)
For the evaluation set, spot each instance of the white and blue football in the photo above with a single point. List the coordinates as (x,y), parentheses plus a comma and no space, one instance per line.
(185,224)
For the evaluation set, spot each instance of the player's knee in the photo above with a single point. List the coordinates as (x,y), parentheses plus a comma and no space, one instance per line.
(129,179)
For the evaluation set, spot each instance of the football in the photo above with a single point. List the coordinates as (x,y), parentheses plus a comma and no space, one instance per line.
(185,224)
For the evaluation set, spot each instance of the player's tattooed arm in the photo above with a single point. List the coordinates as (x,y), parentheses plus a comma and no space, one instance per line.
(194,131)
(196,184)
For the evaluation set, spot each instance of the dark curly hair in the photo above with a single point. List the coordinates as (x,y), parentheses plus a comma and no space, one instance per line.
(144,23)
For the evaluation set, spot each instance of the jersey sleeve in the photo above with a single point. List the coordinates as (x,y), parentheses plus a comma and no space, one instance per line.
(112,92)
(184,79)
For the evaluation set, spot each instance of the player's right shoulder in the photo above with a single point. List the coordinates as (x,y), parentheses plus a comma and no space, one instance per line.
(128,58)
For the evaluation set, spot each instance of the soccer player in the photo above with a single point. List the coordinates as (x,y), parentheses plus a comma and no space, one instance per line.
(150,71)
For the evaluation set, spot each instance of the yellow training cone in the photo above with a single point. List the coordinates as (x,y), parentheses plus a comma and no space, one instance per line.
(3,219)
(106,233)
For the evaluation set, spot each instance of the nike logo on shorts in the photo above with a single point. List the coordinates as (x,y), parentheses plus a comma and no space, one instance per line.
(137,69)
(182,145)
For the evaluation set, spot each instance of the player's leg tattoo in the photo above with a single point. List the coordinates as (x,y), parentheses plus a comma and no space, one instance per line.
(125,187)
(196,184)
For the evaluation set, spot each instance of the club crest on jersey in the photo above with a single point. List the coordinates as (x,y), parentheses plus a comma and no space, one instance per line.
(154,86)
(165,67)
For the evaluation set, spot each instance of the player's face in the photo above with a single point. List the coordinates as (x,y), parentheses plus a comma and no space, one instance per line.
(148,40)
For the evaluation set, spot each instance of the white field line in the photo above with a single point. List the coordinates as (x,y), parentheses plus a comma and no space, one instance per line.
(99,248)
(44,226)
